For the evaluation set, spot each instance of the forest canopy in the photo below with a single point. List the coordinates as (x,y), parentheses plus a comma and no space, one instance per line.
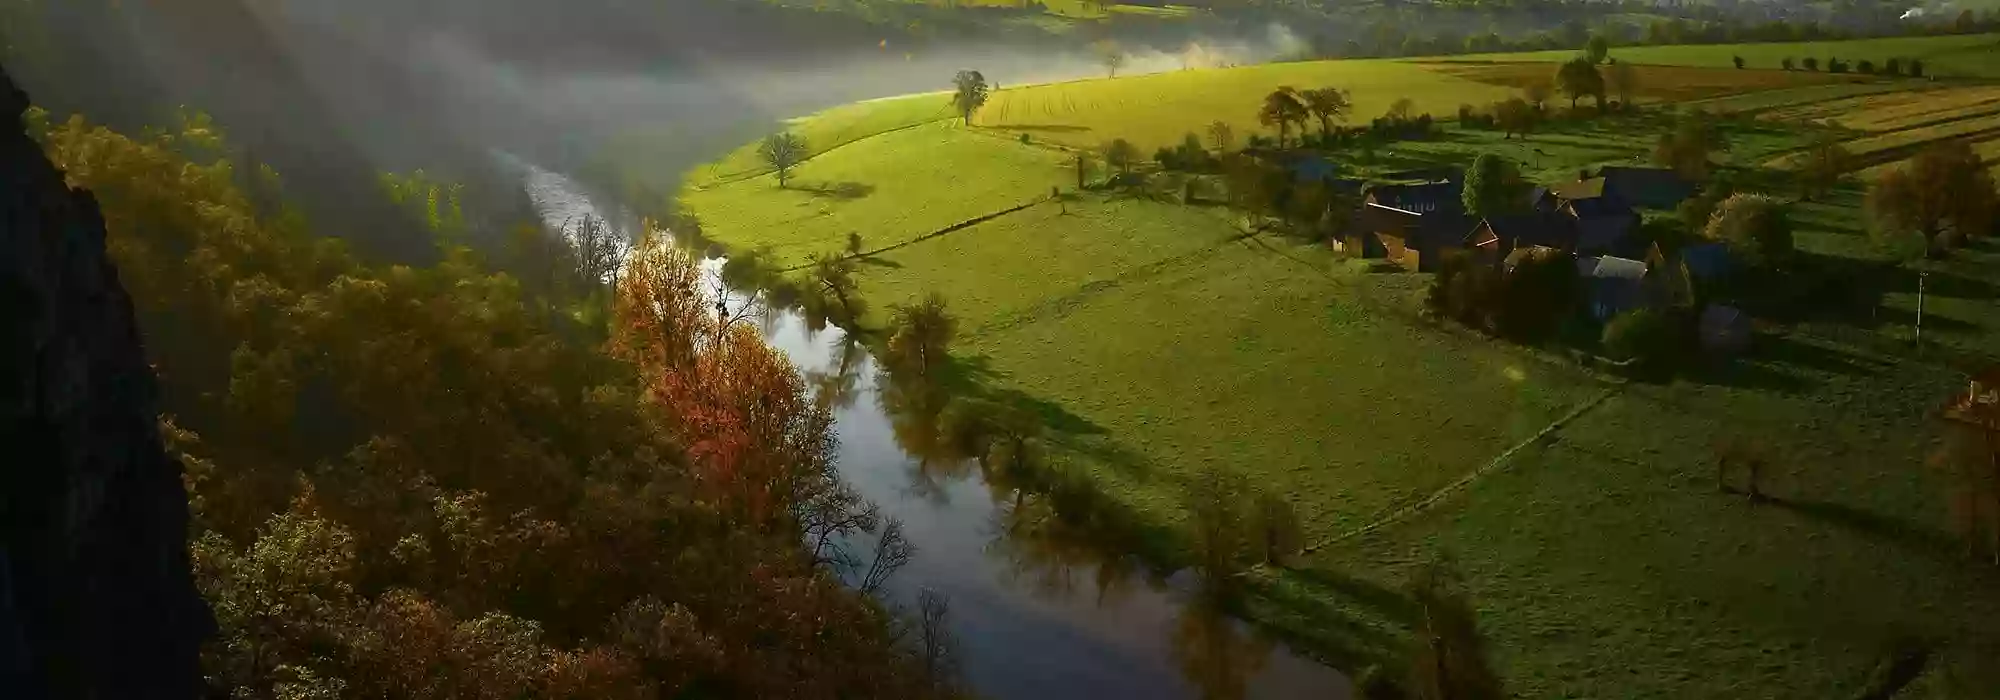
(441,481)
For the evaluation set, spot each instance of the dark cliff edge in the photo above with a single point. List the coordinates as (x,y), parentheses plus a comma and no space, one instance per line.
(96,596)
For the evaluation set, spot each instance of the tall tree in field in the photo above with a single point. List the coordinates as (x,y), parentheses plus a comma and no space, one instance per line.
(1281,108)
(1686,148)
(1823,165)
(1110,55)
(1757,229)
(1493,187)
(1448,661)
(1597,49)
(1944,197)
(1537,94)
(1578,78)
(1326,104)
(829,292)
(969,93)
(783,151)
(1221,137)
(1121,154)
(920,336)
(1514,117)
(1623,81)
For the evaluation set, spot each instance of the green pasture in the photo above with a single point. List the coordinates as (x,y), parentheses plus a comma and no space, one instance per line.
(830,129)
(901,186)
(1159,342)
(1607,563)
(1970,55)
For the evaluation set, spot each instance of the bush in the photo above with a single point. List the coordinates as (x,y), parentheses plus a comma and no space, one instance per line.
(1865,66)
(1649,338)
(1810,63)
(1893,66)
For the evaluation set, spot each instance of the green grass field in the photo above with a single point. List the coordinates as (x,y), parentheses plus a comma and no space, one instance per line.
(903,185)
(1159,109)
(1604,561)
(1976,55)
(830,129)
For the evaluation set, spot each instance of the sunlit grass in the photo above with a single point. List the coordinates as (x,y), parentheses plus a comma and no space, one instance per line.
(1160,109)
(901,186)
(1973,55)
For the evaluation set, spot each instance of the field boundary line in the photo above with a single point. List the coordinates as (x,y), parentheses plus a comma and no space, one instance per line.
(960,226)
(752,175)
(1492,465)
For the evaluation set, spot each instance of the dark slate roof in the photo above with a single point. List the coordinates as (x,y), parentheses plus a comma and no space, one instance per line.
(1613,284)
(1424,232)
(1606,234)
(1547,229)
(1428,198)
(1611,267)
(1597,207)
(1649,188)
(1708,260)
(1579,189)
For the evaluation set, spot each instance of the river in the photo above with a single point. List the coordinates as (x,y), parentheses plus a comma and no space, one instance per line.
(1037,614)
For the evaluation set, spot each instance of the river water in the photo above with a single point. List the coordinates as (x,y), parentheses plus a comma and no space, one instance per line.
(1038,613)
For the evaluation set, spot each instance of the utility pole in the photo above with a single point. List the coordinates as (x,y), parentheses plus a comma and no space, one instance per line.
(1921,277)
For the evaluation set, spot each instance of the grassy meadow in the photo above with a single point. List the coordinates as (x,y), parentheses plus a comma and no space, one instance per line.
(1968,56)
(1160,341)
(1159,109)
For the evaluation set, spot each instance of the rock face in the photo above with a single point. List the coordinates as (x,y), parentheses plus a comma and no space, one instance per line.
(96,596)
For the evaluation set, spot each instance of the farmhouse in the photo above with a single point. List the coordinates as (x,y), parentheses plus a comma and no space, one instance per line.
(1612,285)
(1413,223)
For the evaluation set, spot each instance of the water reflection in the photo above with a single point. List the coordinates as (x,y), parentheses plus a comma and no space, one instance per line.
(1055,537)
(1045,596)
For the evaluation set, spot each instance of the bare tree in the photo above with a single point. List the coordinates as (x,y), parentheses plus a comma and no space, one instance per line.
(600,250)
(1221,137)
(892,552)
(939,650)
(1110,54)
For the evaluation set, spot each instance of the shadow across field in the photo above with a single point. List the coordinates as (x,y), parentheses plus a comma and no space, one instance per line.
(1042,128)
(845,191)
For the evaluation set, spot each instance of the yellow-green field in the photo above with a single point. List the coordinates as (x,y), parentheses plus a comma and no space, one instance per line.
(1653,83)
(903,185)
(1159,109)
(830,129)
(1973,55)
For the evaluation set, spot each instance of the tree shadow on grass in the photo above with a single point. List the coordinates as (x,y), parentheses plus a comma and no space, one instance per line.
(1317,610)
(1043,128)
(1873,525)
(1794,352)
(873,261)
(845,191)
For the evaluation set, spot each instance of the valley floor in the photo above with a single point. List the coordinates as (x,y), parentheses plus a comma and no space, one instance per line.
(1159,340)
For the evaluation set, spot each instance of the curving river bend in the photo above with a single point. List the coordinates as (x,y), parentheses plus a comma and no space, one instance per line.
(1037,614)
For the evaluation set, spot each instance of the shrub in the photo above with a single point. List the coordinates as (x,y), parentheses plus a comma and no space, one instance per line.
(1648,337)
(1865,66)
(1893,66)
(1810,63)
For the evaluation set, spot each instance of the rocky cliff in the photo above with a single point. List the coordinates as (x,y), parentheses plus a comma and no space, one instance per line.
(96,597)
